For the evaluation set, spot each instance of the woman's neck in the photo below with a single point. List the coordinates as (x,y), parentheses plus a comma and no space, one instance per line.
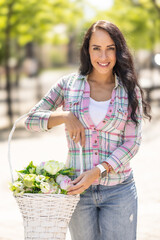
(101,78)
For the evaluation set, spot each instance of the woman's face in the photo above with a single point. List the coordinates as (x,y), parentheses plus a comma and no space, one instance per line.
(102,51)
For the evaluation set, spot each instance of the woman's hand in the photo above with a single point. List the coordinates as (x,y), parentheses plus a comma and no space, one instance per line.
(84,181)
(75,128)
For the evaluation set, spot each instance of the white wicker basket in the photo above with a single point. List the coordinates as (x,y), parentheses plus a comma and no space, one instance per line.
(45,216)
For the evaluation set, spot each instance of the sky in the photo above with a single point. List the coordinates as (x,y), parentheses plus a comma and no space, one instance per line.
(99,5)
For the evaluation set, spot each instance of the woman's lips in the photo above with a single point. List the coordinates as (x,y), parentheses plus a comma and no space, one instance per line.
(103,64)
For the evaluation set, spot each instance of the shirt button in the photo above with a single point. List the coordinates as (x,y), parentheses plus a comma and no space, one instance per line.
(110,110)
(96,153)
(104,121)
(95,141)
(95,129)
(110,102)
(76,103)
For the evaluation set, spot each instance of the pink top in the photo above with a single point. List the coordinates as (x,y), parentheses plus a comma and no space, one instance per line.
(116,139)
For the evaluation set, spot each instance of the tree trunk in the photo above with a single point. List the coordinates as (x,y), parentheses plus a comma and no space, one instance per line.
(18,65)
(72,58)
(7,69)
(156,5)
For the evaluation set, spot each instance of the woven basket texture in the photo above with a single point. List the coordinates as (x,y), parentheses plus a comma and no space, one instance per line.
(46,216)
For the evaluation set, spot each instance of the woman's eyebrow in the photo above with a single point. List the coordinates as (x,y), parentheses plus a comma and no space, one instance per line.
(111,45)
(94,45)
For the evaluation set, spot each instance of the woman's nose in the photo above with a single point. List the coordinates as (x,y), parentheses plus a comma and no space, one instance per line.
(103,55)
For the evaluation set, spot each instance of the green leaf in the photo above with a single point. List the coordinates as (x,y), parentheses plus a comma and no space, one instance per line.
(63,191)
(29,169)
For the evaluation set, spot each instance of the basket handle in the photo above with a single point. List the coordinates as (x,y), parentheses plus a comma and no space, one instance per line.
(9,145)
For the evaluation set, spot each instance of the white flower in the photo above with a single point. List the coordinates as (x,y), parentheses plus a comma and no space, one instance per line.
(18,185)
(28,180)
(55,189)
(17,188)
(45,187)
(53,167)
(16,193)
(40,178)
(59,178)
(50,181)
(40,168)
(65,183)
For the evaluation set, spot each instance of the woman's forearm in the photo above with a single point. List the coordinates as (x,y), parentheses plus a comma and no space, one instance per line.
(57,118)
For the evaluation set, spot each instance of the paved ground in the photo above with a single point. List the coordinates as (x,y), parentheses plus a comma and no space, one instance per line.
(45,146)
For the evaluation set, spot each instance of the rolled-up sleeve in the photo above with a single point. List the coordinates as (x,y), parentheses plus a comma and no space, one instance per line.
(40,113)
(131,139)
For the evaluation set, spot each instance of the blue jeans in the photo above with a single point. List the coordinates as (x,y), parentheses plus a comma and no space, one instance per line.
(106,213)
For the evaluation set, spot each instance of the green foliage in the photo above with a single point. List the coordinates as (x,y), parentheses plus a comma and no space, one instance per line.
(63,192)
(138,20)
(30,20)
(31,168)
(67,171)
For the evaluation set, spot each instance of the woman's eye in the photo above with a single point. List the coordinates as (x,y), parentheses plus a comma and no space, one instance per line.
(96,48)
(111,48)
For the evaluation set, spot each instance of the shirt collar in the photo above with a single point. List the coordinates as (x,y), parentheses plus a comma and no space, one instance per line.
(117,80)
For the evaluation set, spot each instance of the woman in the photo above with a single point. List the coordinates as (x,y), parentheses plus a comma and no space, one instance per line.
(102,108)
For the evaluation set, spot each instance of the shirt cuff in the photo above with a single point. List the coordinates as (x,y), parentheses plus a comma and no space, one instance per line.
(110,168)
(43,123)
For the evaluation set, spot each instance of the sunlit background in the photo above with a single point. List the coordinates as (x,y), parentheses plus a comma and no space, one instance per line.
(39,42)
(36,36)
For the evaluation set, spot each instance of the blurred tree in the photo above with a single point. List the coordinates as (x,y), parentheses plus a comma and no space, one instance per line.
(27,21)
(139,20)
(74,26)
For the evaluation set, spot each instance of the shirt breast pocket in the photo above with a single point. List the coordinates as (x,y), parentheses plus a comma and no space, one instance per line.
(120,119)
(71,105)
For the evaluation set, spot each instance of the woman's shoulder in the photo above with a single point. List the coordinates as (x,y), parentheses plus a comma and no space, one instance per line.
(74,76)
(73,79)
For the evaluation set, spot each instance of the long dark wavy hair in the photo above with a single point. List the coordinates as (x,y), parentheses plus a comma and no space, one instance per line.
(124,67)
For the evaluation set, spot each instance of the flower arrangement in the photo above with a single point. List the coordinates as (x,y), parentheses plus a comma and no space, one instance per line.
(49,177)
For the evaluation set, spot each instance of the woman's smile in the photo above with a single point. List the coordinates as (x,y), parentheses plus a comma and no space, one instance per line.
(103,64)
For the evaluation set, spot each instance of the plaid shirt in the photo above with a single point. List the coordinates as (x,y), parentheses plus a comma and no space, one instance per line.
(116,139)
